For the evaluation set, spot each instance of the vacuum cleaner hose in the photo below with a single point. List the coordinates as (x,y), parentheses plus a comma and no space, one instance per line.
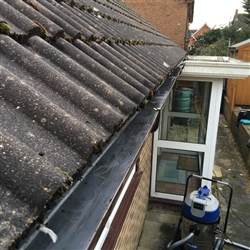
(180,242)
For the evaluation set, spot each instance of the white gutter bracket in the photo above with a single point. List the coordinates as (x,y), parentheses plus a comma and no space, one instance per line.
(48,231)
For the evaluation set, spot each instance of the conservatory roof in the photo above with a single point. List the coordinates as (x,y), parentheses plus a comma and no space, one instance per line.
(215,67)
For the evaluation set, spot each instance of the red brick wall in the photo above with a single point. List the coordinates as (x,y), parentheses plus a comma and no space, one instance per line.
(168,16)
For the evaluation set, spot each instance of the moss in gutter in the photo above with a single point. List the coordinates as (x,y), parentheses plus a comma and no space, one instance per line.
(144,103)
(120,123)
(98,147)
(68,177)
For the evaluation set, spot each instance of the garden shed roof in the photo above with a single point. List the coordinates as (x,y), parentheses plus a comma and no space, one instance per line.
(240,44)
(72,74)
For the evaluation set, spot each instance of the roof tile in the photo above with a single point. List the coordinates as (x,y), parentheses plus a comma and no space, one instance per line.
(71,74)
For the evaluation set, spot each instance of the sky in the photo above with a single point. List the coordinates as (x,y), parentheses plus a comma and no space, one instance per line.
(215,13)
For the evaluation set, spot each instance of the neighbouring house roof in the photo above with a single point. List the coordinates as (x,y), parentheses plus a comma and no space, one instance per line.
(240,19)
(72,74)
(192,31)
(201,30)
(194,34)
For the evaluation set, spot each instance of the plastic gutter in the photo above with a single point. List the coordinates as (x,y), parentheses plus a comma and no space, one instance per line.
(78,216)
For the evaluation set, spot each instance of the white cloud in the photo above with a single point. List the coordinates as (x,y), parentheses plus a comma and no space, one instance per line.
(215,12)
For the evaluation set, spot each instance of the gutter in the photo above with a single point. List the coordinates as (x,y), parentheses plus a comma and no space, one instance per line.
(83,214)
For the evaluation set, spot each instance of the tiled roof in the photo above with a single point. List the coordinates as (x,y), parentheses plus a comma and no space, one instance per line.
(240,20)
(72,73)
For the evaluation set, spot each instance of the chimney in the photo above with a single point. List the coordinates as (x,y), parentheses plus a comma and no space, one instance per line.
(236,15)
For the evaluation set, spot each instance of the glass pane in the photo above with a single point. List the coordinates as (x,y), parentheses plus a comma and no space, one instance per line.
(184,130)
(185,114)
(173,168)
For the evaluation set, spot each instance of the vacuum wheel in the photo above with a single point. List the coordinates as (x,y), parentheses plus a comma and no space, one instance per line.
(219,244)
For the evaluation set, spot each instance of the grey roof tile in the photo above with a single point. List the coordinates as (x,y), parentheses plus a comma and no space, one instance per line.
(19,23)
(60,15)
(106,51)
(128,91)
(136,64)
(144,63)
(32,13)
(114,69)
(15,216)
(71,74)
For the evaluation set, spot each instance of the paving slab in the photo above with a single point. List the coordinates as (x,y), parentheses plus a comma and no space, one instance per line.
(159,226)
(161,219)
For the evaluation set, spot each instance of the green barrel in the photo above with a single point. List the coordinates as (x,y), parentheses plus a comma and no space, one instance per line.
(182,100)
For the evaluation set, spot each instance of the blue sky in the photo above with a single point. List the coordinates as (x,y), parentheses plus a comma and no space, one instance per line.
(215,13)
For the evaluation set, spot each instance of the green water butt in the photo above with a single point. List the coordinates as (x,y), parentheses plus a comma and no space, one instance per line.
(182,100)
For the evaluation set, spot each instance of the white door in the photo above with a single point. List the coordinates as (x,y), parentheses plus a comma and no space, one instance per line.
(185,140)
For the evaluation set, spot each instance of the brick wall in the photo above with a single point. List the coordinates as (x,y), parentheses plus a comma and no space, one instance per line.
(168,16)
(131,230)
